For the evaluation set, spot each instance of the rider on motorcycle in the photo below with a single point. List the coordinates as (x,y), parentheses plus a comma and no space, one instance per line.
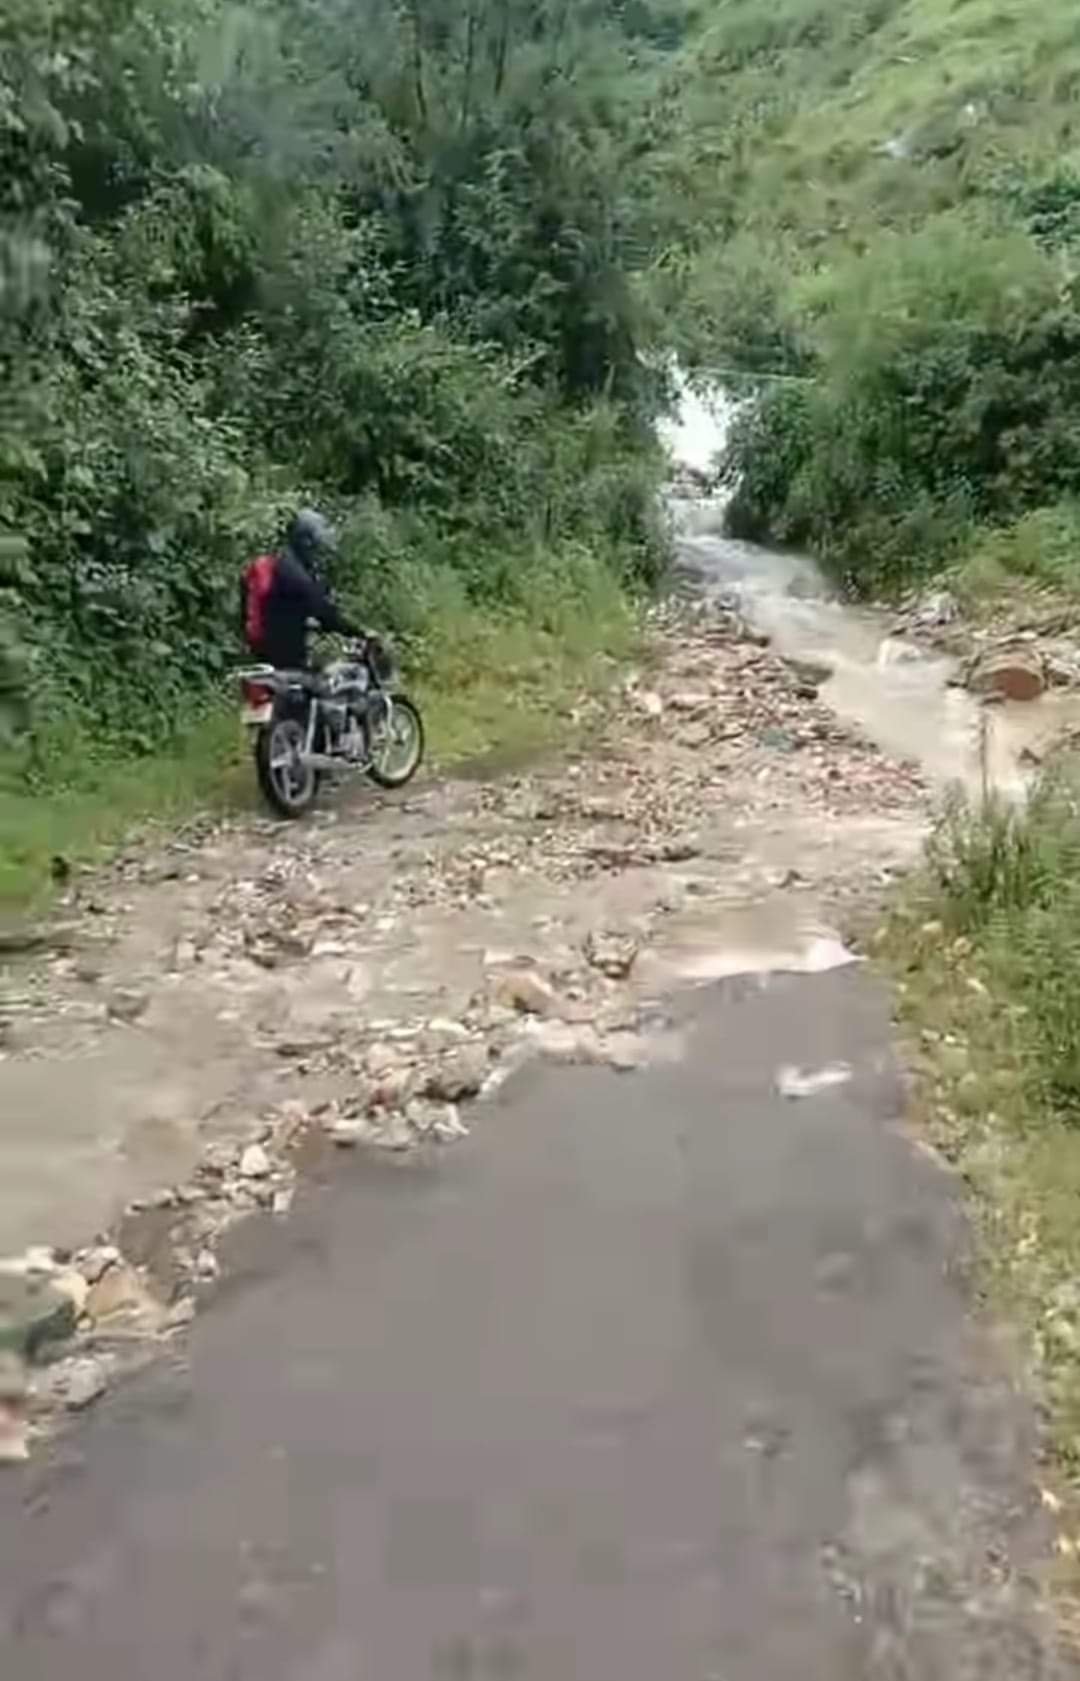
(280,593)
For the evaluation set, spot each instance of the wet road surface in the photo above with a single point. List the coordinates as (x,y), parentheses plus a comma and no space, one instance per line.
(658,1378)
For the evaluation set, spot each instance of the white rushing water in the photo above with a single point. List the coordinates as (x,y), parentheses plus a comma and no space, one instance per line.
(698,430)
(900,695)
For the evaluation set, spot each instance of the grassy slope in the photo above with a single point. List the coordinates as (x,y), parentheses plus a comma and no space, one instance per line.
(804,96)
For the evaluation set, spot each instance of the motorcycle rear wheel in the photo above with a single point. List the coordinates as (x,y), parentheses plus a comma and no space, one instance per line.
(287,786)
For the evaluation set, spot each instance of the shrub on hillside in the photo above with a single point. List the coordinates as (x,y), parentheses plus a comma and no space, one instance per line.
(947,390)
(371,258)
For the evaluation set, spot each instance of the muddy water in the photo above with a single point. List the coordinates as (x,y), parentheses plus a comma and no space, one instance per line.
(898,694)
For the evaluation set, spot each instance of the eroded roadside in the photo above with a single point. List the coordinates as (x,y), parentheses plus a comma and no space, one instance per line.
(215,1010)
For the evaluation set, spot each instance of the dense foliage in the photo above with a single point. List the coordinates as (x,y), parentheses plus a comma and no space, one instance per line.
(379,254)
(889,220)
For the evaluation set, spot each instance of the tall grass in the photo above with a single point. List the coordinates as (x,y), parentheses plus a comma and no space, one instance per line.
(985,947)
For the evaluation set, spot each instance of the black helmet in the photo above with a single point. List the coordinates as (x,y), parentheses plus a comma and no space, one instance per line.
(312,540)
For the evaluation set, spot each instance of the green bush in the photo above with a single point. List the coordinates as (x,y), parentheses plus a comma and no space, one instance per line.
(379,259)
(946,390)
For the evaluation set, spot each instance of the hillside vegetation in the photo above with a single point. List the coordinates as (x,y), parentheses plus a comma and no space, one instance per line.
(381,255)
(888,201)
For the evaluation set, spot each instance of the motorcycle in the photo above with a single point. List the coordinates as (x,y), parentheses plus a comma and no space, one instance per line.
(351,716)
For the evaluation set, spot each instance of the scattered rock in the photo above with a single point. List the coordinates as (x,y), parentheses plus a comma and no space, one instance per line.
(601,809)
(120,1294)
(255,1163)
(690,700)
(395,1134)
(613,954)
(185,954)
(935,611)
(95,1263)
(812,674)
(206,1266)
(781,740)
(449,1128)
(127,1006)
(442,1027)
(75,1383)
(569,1042)
(381,1058)
(650,703)
(181,1313)
(525,992)
(624,1052)
(349,1131)
(218,1160)
(393,1089)
(676,852)
(458,1076)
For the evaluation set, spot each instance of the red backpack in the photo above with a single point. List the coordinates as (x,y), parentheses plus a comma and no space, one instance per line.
(258,582)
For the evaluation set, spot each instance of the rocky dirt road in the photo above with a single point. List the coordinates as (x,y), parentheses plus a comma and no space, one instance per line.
(218,987)
(697,1266)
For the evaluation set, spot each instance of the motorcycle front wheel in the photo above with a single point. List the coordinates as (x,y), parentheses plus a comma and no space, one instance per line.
(397,746)
(288,785)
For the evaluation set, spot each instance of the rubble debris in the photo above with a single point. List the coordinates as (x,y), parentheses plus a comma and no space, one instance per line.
(73,1383)
(255,1163)
(612,953)
(120,1295)
(459,1076)
(526,992)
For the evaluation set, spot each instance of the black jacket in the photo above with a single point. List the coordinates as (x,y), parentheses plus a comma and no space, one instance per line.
(280,619)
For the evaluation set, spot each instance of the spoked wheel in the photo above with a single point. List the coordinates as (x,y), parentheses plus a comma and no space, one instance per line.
(397,744)
(287,783)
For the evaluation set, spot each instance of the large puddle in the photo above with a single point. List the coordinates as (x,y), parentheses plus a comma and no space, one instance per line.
(899,695)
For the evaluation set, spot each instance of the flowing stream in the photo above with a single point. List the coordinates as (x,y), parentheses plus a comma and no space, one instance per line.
(899,694)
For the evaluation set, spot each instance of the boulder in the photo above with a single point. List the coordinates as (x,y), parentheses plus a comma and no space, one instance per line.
(255,1163)
(74,1384)
(458,1076)
(810,674)
(690,700)
(526,993)
(1008,673)
(120,1294)
(613,954)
